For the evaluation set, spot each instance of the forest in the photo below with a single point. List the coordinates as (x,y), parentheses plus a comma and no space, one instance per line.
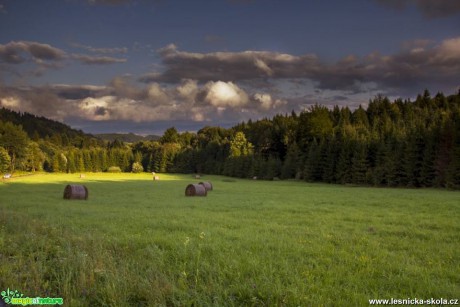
(400,143)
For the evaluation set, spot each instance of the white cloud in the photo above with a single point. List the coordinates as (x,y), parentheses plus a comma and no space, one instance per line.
(156,94)
(188,89)
(96,108)
(263,66)
(223,94)
(449,50)
(12,103)
(267,102)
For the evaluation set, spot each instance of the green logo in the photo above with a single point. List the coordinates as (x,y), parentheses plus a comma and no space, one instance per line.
(8,295)
(17,298)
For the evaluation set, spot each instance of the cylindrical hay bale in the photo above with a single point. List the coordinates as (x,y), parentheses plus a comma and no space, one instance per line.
(75,192)
(207,185)
(195,190)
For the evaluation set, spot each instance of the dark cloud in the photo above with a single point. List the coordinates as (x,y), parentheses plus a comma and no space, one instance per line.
(97,60)
(74,92)
(230,66)
(123,87)
(417,64)
(47,56)
(36,100)
(22,51)
(100,111)
(429,8)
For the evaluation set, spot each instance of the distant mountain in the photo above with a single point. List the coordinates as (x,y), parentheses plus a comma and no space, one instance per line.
(126,137)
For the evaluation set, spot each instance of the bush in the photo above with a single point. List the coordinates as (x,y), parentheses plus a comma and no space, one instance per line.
(137,167)
(114,169)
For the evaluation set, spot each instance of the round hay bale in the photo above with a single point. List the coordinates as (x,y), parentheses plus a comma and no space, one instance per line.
(72,191)
(195,190)
(207,185)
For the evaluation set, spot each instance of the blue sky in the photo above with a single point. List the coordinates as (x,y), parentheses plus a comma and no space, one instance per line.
(143,66)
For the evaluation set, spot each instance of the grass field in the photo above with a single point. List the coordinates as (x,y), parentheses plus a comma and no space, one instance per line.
(139,242)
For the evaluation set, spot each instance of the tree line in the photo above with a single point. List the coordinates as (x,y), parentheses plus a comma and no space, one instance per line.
(401,143)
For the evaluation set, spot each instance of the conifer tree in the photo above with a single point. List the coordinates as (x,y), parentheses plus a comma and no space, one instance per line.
(359,163)
(5,160)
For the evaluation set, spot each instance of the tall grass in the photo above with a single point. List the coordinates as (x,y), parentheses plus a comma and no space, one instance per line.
(139,242)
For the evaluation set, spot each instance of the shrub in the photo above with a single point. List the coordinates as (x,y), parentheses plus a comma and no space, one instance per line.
(114,169)
(137,167)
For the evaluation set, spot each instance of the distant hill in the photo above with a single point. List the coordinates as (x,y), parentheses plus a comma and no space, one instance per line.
(126,137)
(41,127)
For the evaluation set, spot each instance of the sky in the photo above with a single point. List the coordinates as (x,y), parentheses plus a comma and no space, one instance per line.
(143,66)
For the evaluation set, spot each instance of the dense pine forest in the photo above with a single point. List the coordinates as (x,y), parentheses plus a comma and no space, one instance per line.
(401,143)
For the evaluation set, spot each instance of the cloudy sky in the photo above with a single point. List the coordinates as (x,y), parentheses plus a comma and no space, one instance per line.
(145,65)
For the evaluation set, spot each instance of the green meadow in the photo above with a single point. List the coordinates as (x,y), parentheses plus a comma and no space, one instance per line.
(139,242)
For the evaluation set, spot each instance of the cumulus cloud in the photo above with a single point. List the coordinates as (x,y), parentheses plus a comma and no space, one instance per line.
(224,94)
(123,87)
(429,8)
(157,94)
(124,101)
(96,108)
(120,108)
(188,89)
(267,102)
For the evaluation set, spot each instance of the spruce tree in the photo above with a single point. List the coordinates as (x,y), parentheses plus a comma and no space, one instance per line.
(344,163)
(359,163)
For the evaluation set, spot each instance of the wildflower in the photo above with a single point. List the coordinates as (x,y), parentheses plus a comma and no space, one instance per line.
(202,235)
(187,240)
